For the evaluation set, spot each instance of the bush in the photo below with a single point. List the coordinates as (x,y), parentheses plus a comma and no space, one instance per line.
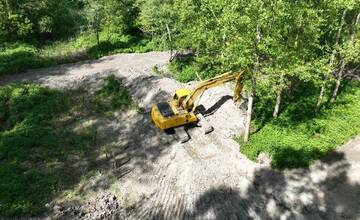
(185,71)
(28,138)
(188,74)
(18,57)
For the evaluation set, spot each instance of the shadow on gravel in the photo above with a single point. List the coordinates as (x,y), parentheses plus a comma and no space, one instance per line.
(324,192)
(131,140)
(142,87)
(217,105)
(72,146)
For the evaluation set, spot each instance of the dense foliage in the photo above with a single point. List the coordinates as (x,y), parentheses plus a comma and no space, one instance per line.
(27,136)
(36,34)
(282,40)
(299,136)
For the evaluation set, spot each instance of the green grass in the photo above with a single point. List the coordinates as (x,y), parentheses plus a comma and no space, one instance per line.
(113,96)
(299,136)
(183,71)
(37,140)
(17,57)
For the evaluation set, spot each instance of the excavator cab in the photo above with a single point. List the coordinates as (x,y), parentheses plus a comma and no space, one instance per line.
(170,114)
(180,95)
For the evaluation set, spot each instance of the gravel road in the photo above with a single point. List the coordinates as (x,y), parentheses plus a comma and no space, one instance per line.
(207,177)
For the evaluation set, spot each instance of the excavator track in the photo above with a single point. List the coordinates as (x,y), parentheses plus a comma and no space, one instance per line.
(204,124)
(182,134)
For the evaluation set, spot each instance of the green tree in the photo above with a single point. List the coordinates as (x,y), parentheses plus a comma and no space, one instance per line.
(349,52)
(95,17)
(159,18)
(335,12)
(23,19)
(111,17)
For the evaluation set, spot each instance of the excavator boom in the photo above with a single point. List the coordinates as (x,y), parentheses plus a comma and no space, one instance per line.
(190,102)
(181,110)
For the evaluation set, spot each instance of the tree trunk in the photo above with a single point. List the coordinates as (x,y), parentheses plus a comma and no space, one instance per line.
(250,109)
(279,95)
(97,38)
(332,58)
(249,117)
(344,62)
(298,33)
(338,81)
(355,28)
(170,42)
(321,97)
(253,80)
(277,104)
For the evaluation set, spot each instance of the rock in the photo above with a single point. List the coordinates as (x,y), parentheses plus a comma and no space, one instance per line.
(58,208)
(264,159)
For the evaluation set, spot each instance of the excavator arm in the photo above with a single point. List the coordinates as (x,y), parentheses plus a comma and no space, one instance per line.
(180,110)
(191,101)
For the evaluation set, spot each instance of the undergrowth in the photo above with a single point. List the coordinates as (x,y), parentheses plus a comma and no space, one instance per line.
(183,71)
(36,142)
(16,57)
(299,136)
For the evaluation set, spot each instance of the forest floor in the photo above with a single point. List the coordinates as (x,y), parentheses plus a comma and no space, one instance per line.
(137,172)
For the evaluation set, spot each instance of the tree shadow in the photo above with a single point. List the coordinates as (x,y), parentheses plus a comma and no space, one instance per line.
(105,47)
(323,191)
(295,194)
(136,43)
(353,74)
(216,106)
(288,157)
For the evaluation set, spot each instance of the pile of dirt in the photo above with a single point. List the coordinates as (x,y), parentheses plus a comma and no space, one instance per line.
(227,118)
(104,206)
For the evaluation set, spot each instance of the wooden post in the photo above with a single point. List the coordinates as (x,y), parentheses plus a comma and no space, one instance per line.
(170,42)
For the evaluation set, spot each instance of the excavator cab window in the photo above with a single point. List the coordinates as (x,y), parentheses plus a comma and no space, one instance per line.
(179,99)
(176,97)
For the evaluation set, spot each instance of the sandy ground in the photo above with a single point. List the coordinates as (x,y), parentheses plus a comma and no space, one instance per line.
(155,177)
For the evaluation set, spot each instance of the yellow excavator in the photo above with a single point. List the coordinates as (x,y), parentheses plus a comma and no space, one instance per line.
(182,109)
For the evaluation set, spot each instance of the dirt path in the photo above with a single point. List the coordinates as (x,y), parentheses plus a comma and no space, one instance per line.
(206,178)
